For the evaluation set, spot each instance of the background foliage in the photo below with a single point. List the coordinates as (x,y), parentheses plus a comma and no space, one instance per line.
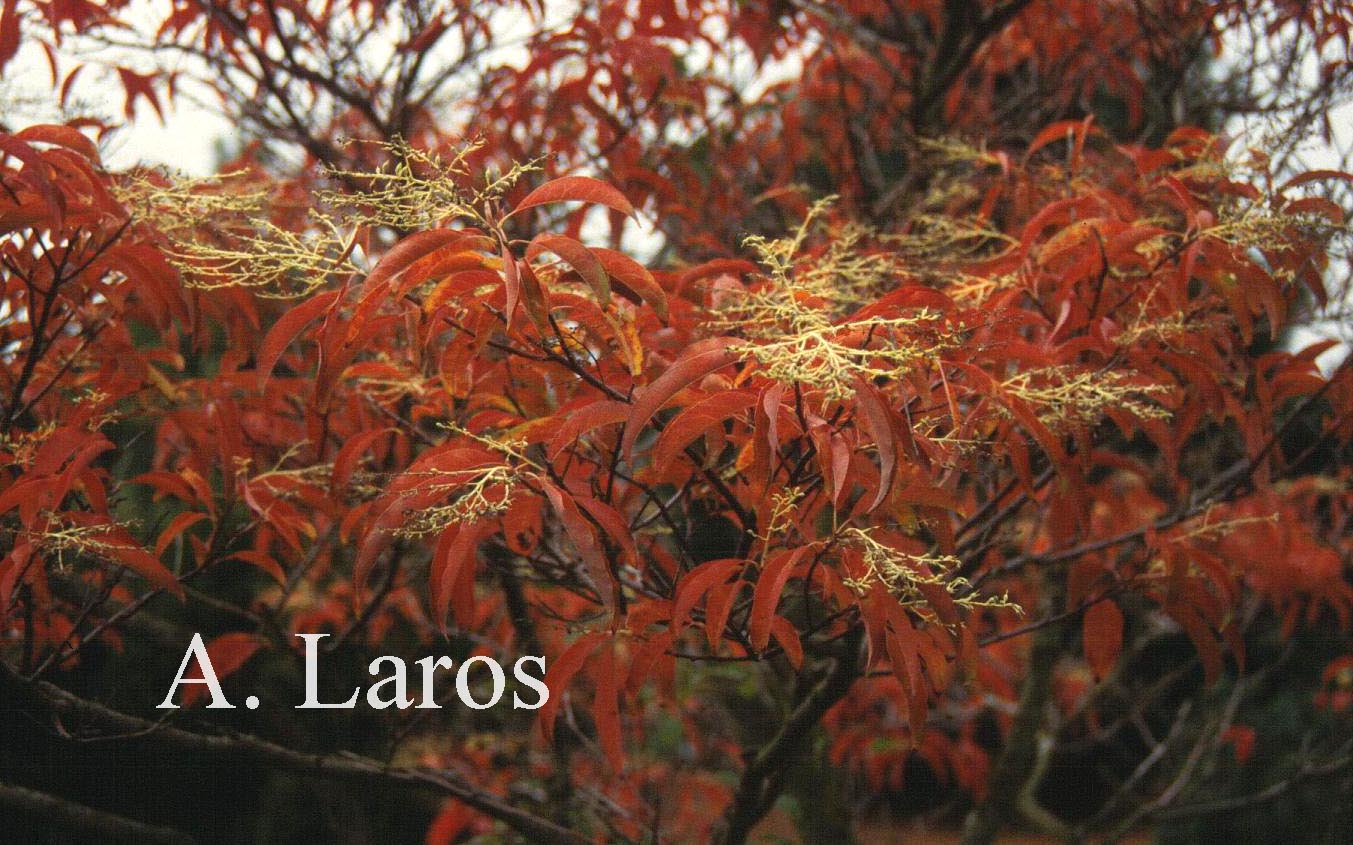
(873,411)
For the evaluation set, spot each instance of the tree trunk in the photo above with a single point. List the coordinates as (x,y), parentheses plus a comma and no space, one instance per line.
(764,778)
(1016,764)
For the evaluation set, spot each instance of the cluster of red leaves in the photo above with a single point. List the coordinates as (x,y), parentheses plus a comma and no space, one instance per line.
(487,415)
(570,411)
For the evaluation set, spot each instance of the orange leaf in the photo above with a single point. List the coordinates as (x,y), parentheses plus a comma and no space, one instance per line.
(576,189)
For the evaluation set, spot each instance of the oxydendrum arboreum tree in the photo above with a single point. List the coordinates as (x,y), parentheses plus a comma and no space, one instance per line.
(938,455)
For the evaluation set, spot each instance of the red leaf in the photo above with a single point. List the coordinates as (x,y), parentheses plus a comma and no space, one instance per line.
(10,34)
(455,551)
(285,330)
(36,173)
(406,252)
(579,257)
(833,456)
(139,85)
(698,419)
(788,637)
(122,548)
(176,526)
(535,297)
(1209,651)
(633,280)
(345,462)
(718,606)
(1074,130)
(766,595)
(1242,739)
(1102,631)
(584,539)
(575,423)
(613,524)
(453,819)
(263,561)
(606,709)
(576,189)
(61,136)
(1313,176)
(560,674)
(695,584)
(877,422)
(12,568)
(698,361)
(511,280)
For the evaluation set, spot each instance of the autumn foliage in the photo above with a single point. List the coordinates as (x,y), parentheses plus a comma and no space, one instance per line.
(930,397)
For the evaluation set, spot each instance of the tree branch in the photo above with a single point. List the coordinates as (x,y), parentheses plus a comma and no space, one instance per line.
(763,778)
(91,824)
(243,748)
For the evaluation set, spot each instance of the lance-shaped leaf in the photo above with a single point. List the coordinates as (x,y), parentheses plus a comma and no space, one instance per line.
(877,422)
(633,280)
(788,637)
(288,326)
(696,583)
(263,561)
(580,531)
(535,297)
(511,280)
(576,189)
(614,525)
(345,462)
(699,418)
(453,566)
(62,136)
(766,595)
(175,528)
(119,545)
(699,360)
(579,257)
(576,423)
(409,250)
(561,673)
